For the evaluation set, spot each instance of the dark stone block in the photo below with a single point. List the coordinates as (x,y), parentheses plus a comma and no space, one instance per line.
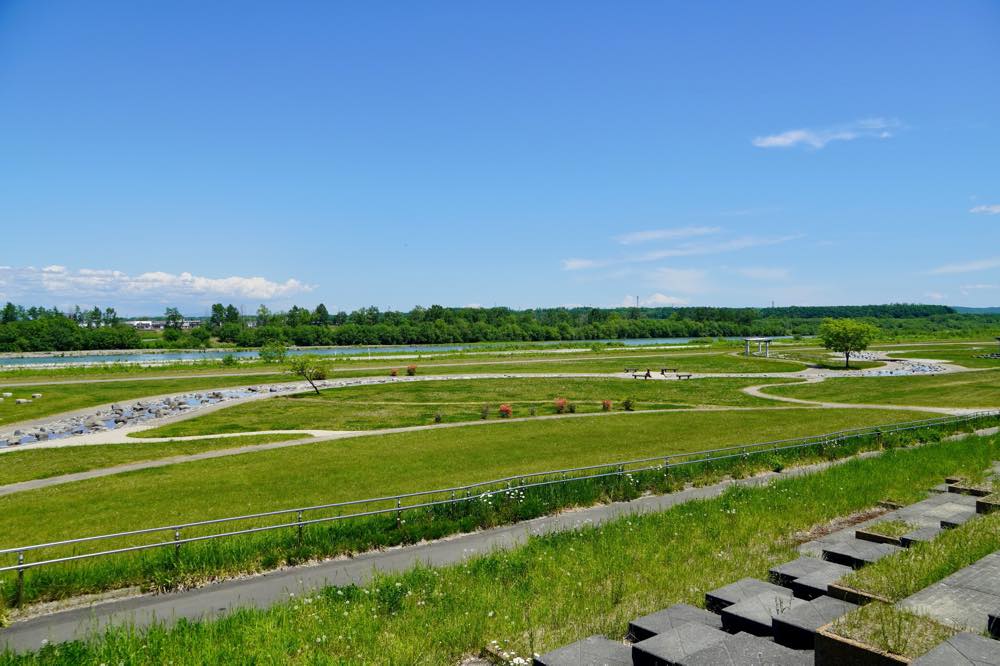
(917,536)
(958,517)
(592,651)
(670,618)
(754,615)
(744,649)
(797,627)
(675,644)
(733,593)
(784,574)
(814,585)
(856,553)
(963,650)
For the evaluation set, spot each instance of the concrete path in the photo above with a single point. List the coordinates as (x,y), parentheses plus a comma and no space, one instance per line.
(264,590)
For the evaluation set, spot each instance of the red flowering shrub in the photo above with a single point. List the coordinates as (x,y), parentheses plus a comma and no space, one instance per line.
(411,370)
(606,405)
(394,372)
(505,411)
(561,404)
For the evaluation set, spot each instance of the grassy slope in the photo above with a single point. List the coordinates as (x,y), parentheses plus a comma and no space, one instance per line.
(371,466)
(57,398)
(416,403)
(555,590)
(27,464)
(974,389)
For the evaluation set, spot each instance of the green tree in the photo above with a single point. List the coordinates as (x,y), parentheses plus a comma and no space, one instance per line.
(232,314)
(273,352)
(174,318)
(263,315)
(9,314)
(846,336)
(321,316)
(110,317)
(201,335)
(310,367)
(218,315)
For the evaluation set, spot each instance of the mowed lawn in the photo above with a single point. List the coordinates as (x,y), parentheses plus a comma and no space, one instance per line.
(58,398)
(26,463)
(388,464)
(967,389)
(419,402)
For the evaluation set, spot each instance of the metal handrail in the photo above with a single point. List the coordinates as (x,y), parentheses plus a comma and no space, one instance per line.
(619,468)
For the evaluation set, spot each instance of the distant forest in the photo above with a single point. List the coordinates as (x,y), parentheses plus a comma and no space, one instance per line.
(41,329)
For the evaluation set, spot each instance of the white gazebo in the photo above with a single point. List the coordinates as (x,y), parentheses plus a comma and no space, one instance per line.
(763,345)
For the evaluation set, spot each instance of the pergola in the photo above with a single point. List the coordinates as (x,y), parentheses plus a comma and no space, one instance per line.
(764,343)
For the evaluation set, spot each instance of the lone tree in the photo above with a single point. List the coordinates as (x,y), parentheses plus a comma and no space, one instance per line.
(309,367)
(846,336)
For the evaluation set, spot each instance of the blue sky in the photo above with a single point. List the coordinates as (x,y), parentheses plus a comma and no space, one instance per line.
(516,153)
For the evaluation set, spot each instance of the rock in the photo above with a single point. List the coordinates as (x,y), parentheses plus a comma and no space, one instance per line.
(36,396)
(21,401)
(93,422)
(7,394)
(18,433)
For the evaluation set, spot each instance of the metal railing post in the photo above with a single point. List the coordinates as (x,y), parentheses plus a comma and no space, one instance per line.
(20,579)
(299,521)
(177,543)
(399,513)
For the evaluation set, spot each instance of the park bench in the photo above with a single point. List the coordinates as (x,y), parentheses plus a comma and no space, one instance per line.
(684,376)
(628,370)
(664,371)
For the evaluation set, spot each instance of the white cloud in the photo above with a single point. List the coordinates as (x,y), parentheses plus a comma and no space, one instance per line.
(979,286)
(967,267)
(681,280)
(682,250)
(763,273)
(877,128)
(991,209)
(665,234)
(656,300)
(935,295)
(106,284)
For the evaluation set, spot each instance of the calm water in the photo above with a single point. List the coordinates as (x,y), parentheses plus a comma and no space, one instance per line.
(216,354)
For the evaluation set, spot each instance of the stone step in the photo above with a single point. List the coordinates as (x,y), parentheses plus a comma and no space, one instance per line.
(785,574)
(591,651)
(736,592)
(918,536)
(744,649)
(675,616)
(958,517)
(963,649)
(675,644)
(797,627)
(816,585)
(755,615)
(856,553)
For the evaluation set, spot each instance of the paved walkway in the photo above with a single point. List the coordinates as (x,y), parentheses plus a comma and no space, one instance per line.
(264,590)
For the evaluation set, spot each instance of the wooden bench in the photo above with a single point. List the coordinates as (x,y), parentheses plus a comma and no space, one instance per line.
(664,371)
(684,376)
(628,370)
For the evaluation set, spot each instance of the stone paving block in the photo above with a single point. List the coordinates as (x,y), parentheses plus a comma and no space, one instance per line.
(963,650)
(784,574)
(797,627)
(958,518)
(815,585)
(982,576)
(744,650)
(940,488)
(736,592)
(677,615)
(755,615)
(920,535)
(857,553)
(591,651)
(675,644)
(956,606)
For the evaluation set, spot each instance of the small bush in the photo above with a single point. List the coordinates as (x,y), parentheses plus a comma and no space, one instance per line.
(628,404)
(505,411)
(533,411)
(571,408)
(484,412)
(605,405)
(394,372)
(437,418)
(561,404)
(411,370)
(229,361)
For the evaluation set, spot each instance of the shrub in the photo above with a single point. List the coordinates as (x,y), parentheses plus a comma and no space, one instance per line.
(394,372)
(561,404)
(484,412)
(505,411)
(571,408)
(533,411)
(229,360)
(411,370)
(628,404)
(605,405)
(273,352)
(437,418)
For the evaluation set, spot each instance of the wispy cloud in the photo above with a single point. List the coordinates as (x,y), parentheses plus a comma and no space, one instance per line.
(110,285)
(868,128)
(665,234)
(990,209)
(679,280)
(935,295)
(967,267)
(656,300)
(682,250)
(764,273)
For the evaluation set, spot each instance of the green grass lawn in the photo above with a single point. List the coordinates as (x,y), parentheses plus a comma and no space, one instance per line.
(388,464)
(58,398)
(417,403)
(554,590)
(973,389)
(27,464)
(964,356)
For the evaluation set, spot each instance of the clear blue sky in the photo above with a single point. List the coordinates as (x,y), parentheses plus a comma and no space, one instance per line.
(513,153)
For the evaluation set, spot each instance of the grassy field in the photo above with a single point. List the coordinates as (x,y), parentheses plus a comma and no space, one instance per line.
(372,466)
(58,398)
(417,403)
(973,389)
(27,464)
(550,592)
